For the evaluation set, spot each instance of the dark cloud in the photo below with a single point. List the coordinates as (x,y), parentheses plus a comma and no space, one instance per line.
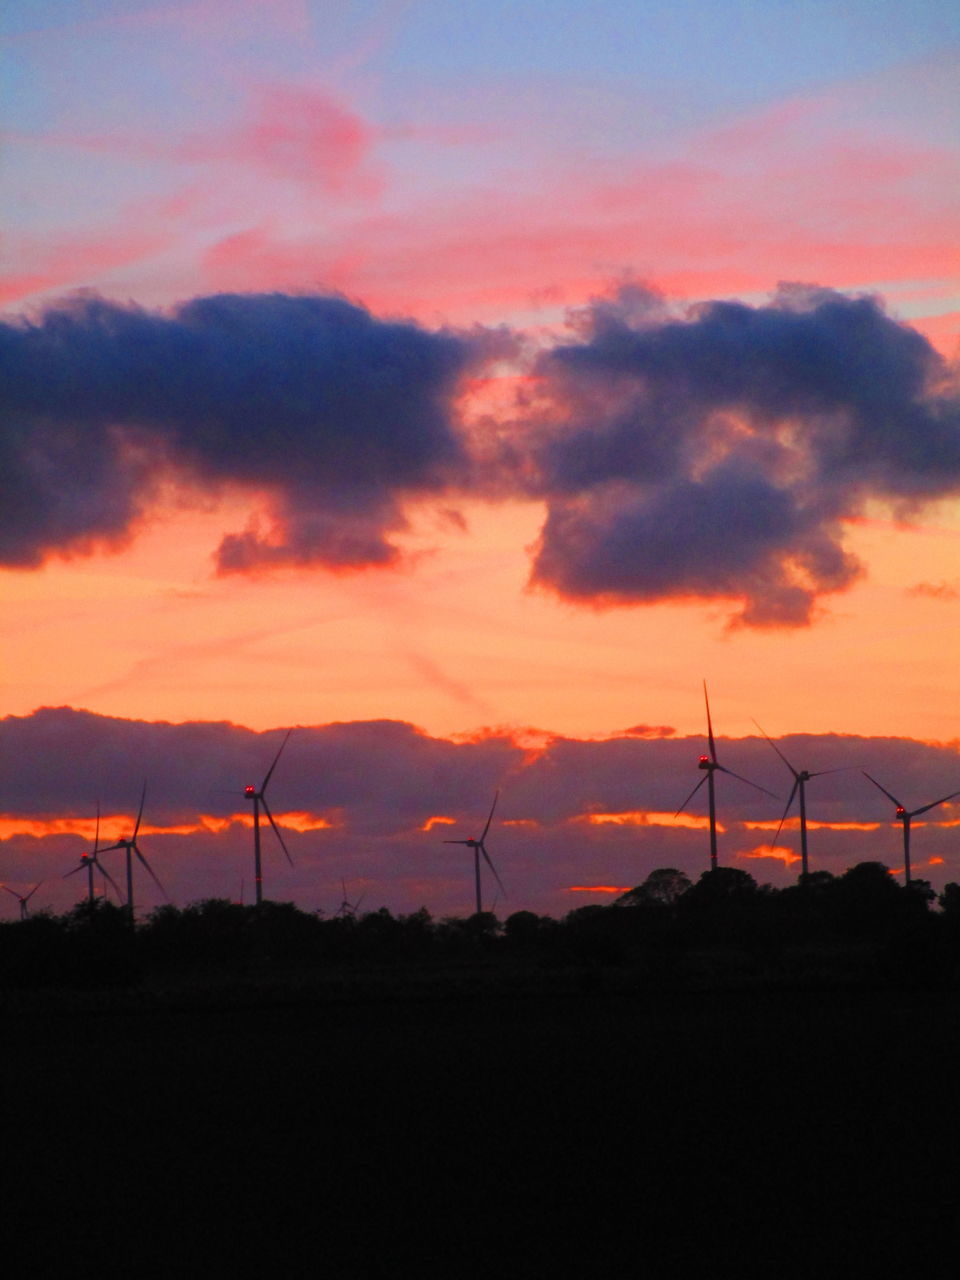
(388,775)
(370,772)
(336,417)
(716,455)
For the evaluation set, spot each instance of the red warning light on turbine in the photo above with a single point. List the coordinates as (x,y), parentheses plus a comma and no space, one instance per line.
(249,791)
(900,811)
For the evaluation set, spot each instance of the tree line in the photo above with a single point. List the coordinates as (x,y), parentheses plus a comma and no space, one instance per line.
(859,926)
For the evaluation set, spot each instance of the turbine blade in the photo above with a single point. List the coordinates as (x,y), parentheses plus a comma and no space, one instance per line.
(776,748)
(691,795)
(107,876)
(456,841)
(96,838)
(496,797)
(68,874)
(933,804)
(143,797)
(11,892)
(822,773)
(887,793)
(32,891)
(274,765)
(486,858)
(756,785)
(713,745)
(796,787)
(276,829)
(150,872)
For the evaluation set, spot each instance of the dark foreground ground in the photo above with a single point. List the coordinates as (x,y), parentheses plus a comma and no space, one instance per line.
(595,1133)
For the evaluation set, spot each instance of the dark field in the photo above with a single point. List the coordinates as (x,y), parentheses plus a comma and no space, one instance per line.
(445,1133)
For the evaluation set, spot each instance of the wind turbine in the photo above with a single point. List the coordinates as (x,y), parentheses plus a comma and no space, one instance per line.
(348,908)
(258,798)
(800,779)
(711,765)
(87,863)
(131,847)
(22,898)
(479,848)
(904,816)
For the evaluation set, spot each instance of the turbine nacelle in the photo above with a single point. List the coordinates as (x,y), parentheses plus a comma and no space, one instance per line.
(250,792)
(704,763)
(901,811)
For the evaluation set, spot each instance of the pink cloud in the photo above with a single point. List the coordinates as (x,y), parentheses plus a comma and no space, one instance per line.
(75,259)
(296,134)
(694,231)
(290,133)
(802,190)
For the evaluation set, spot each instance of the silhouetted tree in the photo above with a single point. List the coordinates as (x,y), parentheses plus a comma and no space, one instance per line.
(595,933)
(950,900)
(924,890)
(723,907)
(721,884)
(522,928)
(663,887)
(872,905)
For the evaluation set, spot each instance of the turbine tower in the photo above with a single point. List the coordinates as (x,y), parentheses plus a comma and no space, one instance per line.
(905,816)
(22,898)
(87,863)
(800,779)
(258,798)
(479,848)
(711,765)
(348,908)
(130,848)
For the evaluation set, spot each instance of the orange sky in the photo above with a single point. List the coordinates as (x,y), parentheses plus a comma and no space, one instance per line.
(457,641)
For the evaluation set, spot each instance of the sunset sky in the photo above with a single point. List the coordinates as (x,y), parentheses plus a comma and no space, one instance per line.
(465,384)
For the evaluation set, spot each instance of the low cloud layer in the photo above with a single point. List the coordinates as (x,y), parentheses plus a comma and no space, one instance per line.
(714,455)
(367,796)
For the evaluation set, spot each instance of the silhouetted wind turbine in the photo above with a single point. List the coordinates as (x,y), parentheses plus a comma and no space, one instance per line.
(711,765)
(259,799)
(800,779)
(904,816)
(348,908)
(131,847)
(87,863)
(479,848)
(22,898)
